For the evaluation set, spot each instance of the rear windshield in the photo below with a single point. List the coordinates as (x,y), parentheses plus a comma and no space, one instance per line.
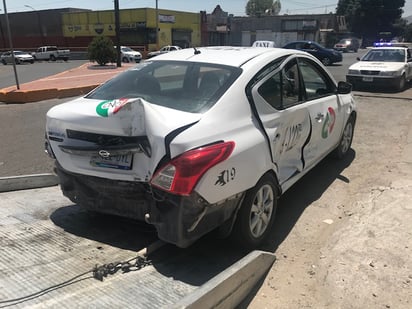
(187,86)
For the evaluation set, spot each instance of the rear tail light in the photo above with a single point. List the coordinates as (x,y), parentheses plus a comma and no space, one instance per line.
(181,174)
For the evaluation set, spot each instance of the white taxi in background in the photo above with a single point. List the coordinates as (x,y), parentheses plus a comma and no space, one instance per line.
(201,139)
(382,67)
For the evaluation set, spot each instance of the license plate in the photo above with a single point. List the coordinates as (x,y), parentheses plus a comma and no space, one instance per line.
(120,162)
(367,79)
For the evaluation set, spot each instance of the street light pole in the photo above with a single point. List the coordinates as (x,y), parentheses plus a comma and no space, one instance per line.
(157,26)
(38,21)
(11,44)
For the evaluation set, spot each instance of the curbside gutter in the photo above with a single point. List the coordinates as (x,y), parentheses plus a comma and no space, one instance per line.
(24,182)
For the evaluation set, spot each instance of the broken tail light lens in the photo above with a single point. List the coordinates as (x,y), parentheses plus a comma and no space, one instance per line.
(182,173)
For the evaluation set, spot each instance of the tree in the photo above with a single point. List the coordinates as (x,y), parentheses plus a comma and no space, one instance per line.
(370,17)
(101,50)
(258,7)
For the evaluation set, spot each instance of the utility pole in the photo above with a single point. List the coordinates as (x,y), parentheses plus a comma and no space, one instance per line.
(117,30)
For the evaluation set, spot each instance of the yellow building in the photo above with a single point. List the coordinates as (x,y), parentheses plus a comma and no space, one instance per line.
(137,27)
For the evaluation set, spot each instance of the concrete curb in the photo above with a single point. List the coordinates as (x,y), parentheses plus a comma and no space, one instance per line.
(229,288)
(20,96)
(27,182)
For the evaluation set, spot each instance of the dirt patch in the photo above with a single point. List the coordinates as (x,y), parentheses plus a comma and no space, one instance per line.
(343,235)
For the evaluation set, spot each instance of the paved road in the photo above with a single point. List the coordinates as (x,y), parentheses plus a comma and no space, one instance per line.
(29,72)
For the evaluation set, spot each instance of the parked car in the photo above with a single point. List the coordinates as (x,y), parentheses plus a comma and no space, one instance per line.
(129,55)
(201,139)
(19,57)
(163,50)
(51,53)
(382,67)
(264,44)
(325,55)
(346,45)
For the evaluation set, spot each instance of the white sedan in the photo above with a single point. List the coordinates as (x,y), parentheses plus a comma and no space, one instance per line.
(19,57)
(382,67)
(163,50)
(129,55)
(201,139)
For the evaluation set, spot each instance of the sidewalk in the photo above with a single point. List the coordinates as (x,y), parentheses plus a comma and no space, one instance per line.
(74,82)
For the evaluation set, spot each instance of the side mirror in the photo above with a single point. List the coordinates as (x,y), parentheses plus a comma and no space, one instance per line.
(344,87)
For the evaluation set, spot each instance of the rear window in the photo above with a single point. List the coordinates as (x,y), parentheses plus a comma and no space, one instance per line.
(182,85)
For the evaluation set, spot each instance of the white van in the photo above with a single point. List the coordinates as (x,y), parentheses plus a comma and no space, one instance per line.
(263,44)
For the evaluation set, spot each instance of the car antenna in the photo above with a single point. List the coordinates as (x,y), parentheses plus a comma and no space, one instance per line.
(197,52)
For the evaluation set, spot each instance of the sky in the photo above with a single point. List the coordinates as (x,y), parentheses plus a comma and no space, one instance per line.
(236,7)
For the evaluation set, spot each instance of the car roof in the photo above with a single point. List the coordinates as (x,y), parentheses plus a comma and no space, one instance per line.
(224,55)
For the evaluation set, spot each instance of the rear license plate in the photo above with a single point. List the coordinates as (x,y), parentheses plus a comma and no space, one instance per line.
(120,162)
(367,79)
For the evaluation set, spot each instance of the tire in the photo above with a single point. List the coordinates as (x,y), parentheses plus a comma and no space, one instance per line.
(125,59)
(256,214)
(402,83)
(326,61)
(4,62)
(31,61)
(346,140)
(52,58)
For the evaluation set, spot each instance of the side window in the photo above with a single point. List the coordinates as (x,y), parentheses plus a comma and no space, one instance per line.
(291,93)
(316,83)
(283,88)
(270,90)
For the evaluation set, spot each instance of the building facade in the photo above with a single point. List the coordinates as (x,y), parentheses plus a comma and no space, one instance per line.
(137,27)
(147,29)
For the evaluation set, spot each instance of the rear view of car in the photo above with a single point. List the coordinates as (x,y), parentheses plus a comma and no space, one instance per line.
(199,140)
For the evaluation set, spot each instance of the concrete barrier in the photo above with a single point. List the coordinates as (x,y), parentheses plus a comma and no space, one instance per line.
(27,182)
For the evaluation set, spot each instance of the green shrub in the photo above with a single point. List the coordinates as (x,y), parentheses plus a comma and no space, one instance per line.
(101,50)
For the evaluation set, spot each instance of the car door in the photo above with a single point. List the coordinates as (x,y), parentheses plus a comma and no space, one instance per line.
(325,109)
(285,120)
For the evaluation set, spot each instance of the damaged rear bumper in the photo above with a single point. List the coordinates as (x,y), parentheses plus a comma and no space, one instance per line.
(180,220)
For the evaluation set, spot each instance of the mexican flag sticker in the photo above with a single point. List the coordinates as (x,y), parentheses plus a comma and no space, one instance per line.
(110,107)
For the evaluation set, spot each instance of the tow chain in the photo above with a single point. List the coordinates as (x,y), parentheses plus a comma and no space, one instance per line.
(100,272)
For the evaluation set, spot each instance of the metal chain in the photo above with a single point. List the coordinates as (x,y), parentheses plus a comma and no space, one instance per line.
(100,272)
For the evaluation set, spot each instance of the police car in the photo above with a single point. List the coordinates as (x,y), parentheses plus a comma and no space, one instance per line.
(201,139)
(382,67)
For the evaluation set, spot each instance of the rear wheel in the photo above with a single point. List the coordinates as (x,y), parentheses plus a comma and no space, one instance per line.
(52,58)
(4,61)
(257,214)
(346,139)
(326,61)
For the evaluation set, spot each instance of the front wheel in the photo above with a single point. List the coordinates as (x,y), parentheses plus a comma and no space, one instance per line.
(402,83)
(257,214)
(52,58)
(346,139)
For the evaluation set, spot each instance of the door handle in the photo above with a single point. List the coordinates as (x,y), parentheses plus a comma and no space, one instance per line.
(319,117)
